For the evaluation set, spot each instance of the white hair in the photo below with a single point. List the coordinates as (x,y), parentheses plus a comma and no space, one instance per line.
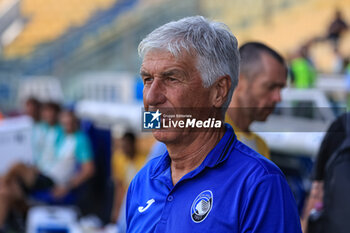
(213,44)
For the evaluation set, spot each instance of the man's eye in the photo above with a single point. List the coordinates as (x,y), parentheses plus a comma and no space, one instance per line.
(171,79)
(271,87)
(147,80)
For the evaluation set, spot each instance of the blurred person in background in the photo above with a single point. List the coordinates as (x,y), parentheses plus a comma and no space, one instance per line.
(56,174)
(335,136)
(51,133)
(33,109)
(336,29)
(127,160)
(303,72)
(72,164)
(263,74)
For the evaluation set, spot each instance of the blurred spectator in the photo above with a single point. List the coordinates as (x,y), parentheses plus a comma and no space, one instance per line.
(337,27)
(51,133)
(263,73)
(330,144)
(59,170)
(302,69)
(33,109)
(126,162)
(72,164)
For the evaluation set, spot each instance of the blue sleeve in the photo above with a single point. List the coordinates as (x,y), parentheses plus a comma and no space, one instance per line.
(83,150)
(270,207)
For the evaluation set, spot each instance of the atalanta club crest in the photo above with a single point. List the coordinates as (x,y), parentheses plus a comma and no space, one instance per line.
(201,206)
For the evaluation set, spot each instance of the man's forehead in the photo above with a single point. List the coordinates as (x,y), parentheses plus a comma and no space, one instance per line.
(160,59)
(155,53)
(271,75)
(180,55)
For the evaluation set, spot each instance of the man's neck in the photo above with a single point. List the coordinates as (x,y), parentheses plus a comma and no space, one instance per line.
(131,154)
(239,117)
(187,157)
(241,122)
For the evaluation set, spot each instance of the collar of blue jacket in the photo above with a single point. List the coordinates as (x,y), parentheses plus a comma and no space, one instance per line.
(234,190)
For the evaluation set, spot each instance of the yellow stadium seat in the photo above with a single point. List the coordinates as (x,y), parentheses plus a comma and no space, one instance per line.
(50,19)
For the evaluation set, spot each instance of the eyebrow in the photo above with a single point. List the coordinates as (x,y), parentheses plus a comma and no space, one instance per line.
(162,74)
(144,73)
(169,73)
(279,85)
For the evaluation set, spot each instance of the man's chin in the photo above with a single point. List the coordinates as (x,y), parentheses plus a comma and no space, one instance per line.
(262,116)
(164,135)
(171,135)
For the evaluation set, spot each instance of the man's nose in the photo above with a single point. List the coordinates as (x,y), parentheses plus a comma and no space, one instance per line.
(154,94)
(277,95)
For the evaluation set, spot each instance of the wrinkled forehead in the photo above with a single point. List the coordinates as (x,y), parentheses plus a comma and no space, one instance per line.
(178,55)
(156,59)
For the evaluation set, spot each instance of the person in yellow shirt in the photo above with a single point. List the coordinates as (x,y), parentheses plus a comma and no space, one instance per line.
(251,139)
(263,73)
(127,160)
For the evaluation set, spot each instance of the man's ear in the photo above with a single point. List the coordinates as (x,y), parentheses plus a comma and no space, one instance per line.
(221,89)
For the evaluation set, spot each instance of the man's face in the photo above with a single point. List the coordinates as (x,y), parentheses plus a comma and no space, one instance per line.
(49,115)
(31,109)
(172,83)
(127,146)
(259,94)
(68,122)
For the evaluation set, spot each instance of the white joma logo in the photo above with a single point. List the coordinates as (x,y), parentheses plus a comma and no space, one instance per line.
(149,203)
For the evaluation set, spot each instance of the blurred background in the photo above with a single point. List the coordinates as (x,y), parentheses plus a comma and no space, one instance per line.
(82,54)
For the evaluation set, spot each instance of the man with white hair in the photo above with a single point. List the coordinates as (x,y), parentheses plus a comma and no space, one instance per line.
(207,181)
